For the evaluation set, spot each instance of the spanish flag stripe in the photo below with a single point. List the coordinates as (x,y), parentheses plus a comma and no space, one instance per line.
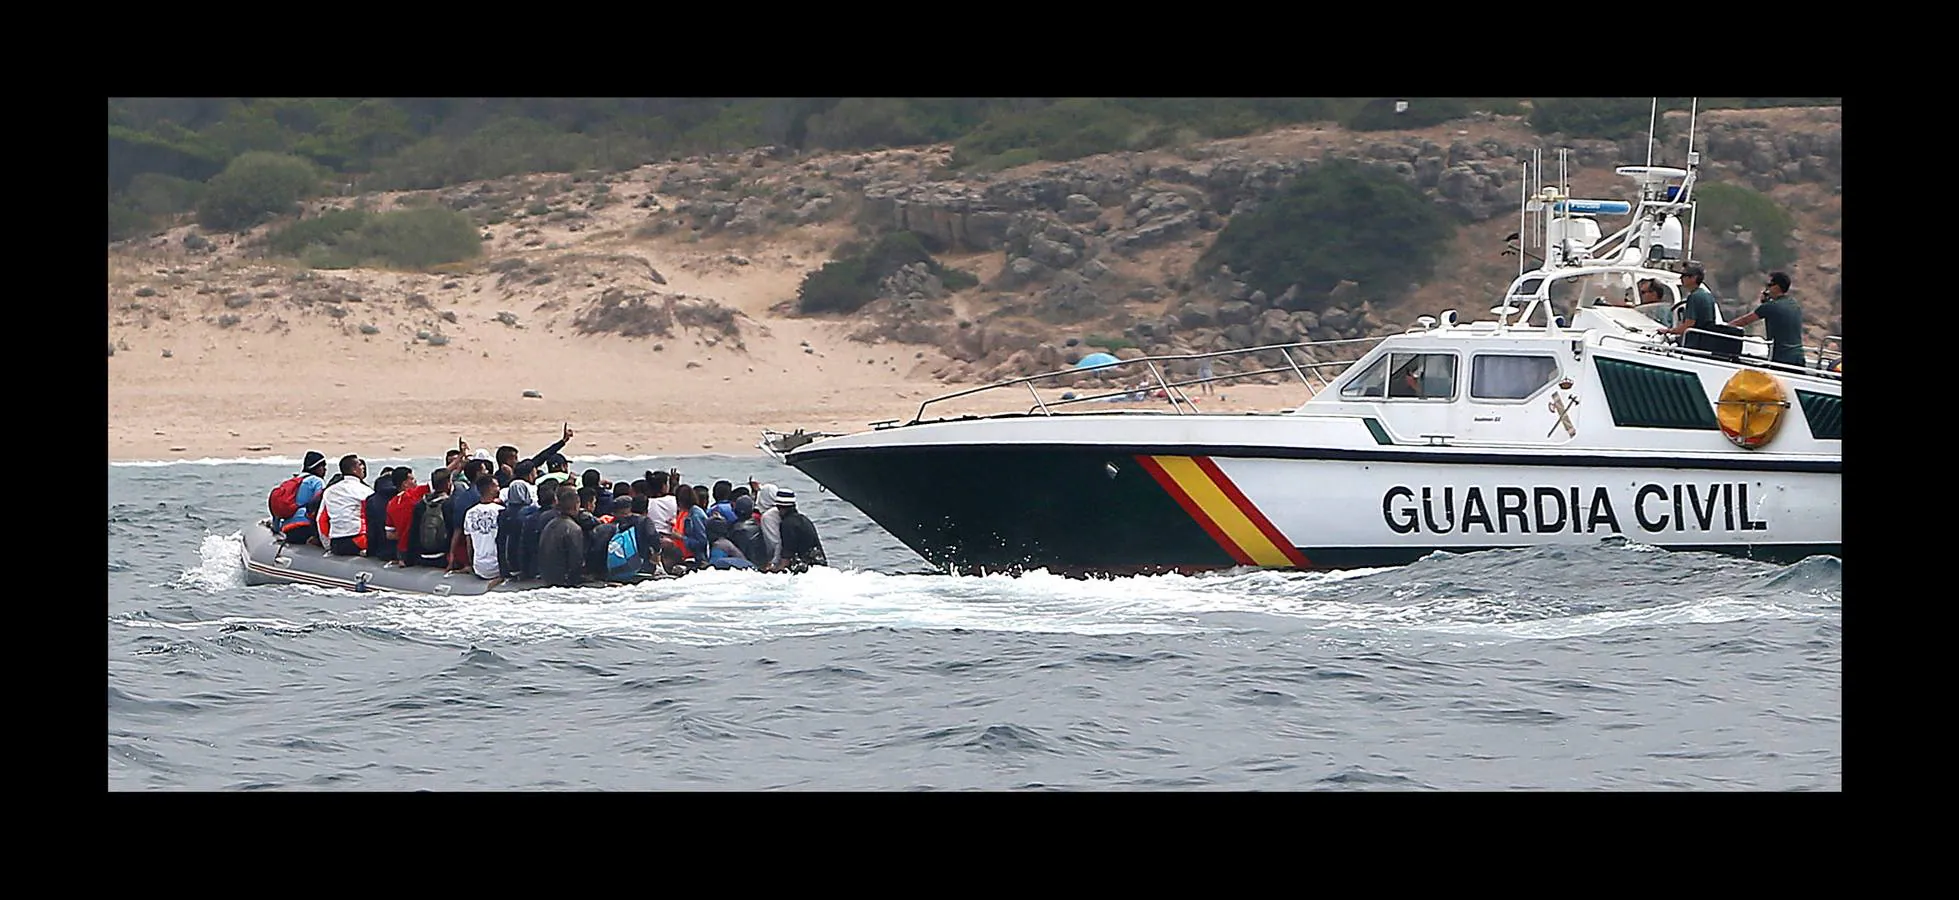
(1231,520)
(1207,493)
(1251,512)
(1176,491)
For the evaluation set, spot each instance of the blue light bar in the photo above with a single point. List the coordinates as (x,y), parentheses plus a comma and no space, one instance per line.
(1594,207)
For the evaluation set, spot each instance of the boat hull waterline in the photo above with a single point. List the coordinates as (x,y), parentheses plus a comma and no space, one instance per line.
(1106,509)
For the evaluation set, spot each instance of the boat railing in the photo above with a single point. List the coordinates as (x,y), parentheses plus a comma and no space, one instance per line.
(1820,370)
(1830,352)
(1308,371)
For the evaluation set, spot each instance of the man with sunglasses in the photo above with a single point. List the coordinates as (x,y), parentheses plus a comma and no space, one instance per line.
(1782,319)
(1700,311)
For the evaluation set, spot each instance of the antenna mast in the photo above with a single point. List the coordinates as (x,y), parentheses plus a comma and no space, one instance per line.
(1652,124)
(1693,163)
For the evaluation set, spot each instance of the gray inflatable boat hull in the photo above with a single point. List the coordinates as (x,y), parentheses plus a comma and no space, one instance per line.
(269,560)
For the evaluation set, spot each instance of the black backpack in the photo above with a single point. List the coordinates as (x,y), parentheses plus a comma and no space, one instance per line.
(431,529)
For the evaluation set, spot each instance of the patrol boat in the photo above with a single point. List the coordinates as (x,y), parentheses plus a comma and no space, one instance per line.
(1567,417)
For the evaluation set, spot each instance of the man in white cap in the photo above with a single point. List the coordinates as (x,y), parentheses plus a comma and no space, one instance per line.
(800,547)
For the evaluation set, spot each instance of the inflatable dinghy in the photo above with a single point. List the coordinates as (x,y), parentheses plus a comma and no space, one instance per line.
(269,560)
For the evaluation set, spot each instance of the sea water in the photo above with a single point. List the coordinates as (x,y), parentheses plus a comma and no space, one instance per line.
(1609,667)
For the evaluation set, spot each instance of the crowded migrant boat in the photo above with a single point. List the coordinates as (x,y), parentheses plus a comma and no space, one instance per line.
(509,522)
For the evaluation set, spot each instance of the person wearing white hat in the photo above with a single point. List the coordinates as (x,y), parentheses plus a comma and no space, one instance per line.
(771,519)
(800,548)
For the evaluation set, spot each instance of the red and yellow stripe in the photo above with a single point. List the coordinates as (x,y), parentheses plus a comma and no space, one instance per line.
(1203,490)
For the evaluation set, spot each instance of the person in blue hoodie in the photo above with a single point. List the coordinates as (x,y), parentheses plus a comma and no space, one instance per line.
(518,508)
(301,527)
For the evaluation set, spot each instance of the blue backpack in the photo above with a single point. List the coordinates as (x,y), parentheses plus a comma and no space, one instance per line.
(622,552)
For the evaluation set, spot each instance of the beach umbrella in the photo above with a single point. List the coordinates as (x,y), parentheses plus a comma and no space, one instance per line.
(1095,360)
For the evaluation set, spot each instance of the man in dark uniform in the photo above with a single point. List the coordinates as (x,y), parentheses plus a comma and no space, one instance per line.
(1700,311)
(1782,319)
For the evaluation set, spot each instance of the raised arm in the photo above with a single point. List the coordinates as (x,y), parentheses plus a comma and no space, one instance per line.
(545,453)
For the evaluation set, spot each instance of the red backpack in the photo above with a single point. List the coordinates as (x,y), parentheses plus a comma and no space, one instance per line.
(284,501)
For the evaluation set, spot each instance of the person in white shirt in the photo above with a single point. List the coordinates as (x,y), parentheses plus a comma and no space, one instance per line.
(480,529)
(661,507)
(771,524)
(340,505)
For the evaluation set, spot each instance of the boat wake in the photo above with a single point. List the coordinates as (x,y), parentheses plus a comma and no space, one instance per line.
(1499,596)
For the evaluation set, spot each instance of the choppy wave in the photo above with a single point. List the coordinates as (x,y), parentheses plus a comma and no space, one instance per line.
(1499,596)
(1608,666)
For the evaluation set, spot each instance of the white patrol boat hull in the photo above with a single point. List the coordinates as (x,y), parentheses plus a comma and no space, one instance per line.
(1120,494)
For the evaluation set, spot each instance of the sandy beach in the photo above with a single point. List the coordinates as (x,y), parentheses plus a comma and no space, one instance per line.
(281,381)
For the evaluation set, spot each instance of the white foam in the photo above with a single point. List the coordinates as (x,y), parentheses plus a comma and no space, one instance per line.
(220,565)
(731,607)
(287,461)
(720,607)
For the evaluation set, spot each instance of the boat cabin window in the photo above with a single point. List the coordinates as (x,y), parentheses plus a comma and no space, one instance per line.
(1406,376)
(1496,376)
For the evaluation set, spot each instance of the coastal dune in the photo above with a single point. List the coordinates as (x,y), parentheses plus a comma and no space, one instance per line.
(283,378)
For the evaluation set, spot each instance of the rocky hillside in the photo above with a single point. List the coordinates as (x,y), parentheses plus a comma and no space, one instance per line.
(1100,250)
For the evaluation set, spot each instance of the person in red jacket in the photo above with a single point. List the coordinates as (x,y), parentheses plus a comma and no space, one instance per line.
(401,512)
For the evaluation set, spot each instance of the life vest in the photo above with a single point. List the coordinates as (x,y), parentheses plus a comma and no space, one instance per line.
(680,531)
(360,539)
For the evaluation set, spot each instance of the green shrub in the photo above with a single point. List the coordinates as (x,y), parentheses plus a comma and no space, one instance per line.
(1422,112)
(864,122)
(164,195)
(328,230)
(851,280)
(506,147)
(840,286)
(1339,220)
(126,222)
(1610,118)
(418,238)
(1723,206)
(253,187)
(1069,129)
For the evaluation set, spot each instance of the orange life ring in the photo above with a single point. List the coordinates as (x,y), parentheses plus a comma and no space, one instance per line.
(1751,407)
